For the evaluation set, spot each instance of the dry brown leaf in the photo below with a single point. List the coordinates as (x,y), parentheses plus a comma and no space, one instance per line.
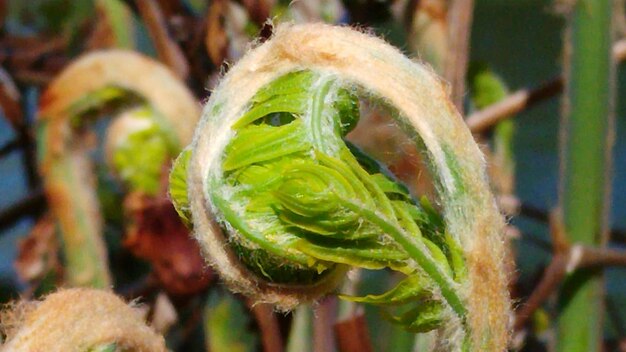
(157,235)
(10,99)
(37,253)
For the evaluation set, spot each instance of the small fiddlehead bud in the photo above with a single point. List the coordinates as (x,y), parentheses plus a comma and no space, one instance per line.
(283,206)
(77,320)
(136,148)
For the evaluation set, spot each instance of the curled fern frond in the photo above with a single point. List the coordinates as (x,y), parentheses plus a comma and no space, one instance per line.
(153,114)
(283,206)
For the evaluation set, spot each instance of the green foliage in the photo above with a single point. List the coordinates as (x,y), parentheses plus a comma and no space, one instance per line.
(226,324)
(106,348)
(485,86)
(424,317)
(411,288)
(143,143)
(178,186)
(140,157)
(303,203)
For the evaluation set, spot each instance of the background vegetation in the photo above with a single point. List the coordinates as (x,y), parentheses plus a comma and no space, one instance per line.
(520,41)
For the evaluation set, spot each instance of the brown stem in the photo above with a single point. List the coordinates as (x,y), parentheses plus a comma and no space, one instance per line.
(564,263)
(268,324)
(601,257)
(34,77)
(166,47)
(460,23)
(482,120)
(552,277)
(486,118)
(353,335)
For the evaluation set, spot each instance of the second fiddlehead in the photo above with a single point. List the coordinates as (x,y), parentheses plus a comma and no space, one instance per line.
(156,119)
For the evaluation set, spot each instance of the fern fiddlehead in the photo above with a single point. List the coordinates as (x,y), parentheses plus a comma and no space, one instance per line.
(139,142)
(283,206)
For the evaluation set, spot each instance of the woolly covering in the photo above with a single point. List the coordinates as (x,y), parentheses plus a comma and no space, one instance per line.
(77,320)
(425,113)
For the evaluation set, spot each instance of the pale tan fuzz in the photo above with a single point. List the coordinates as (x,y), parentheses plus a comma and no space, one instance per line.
(425,113)
(139,74)
(77,320)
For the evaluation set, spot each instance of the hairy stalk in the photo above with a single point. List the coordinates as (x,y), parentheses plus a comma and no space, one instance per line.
(90,83)
(77,320)
(282,205)
(585,151)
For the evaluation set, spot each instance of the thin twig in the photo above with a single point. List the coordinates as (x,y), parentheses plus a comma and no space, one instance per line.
(567,259)
(8,148)
(18,52)
(31,205)
(538,214)
(482,120)
(552,277)
(167,49)
(486,118)
(26,138)
(34,77)
(460,15)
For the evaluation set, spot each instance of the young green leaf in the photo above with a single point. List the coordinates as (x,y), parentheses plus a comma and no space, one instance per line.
(426,316)
(412,288)
(178,186)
